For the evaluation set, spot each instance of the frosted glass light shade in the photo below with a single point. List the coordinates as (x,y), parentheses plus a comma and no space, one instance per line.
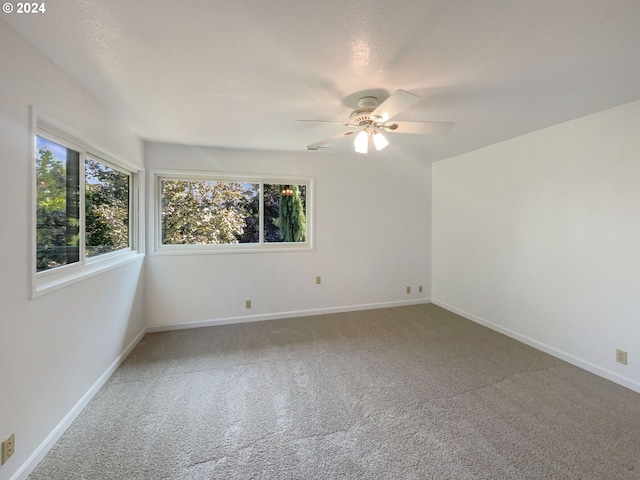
(379,141)
(361,143)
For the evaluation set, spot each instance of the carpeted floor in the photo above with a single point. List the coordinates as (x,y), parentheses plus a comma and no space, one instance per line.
(402,393)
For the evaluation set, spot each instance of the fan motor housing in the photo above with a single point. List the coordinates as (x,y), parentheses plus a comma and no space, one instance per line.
(361,116)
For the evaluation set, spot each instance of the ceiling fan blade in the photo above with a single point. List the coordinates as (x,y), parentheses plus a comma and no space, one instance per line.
(423,128)
(396,103)
(325,121)
(317,145)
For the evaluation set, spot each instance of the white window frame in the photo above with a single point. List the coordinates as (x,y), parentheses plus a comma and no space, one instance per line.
(59,277)
(157,248)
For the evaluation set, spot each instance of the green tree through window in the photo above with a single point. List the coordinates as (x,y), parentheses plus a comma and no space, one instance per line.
(208,212)
(106,209)
(59,209)
(214,212)
(290,222)
(57,205)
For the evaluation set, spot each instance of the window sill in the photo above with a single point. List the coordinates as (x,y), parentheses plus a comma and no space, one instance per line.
(225,249)
(46,282)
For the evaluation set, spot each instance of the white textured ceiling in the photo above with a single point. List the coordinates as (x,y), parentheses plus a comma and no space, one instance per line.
(239,74)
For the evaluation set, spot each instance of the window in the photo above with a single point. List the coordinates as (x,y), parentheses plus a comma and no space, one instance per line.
(209,212)
(202,213)
(57,205)
(83,209)
(107,196)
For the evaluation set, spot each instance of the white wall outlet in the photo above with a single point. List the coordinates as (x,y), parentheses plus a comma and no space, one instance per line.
(621,357)
(247,304)
(318,280)
(408,290)
(8,448)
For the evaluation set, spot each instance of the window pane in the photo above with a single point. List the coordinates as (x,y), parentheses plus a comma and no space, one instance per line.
(285,213)
(107,208)
(209,212)
(57,205)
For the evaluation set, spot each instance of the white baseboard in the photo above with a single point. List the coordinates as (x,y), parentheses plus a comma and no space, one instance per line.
(37,456)
(289,314)
(562,355)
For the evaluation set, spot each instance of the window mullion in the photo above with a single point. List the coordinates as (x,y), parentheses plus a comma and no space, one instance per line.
(261,215)
(83,213)
(133,207)
(158,204)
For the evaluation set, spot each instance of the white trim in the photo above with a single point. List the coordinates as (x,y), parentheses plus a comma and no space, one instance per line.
(279,315)
(84,271)
(229,248)
(36,457)
(33,152)
(157,248)
(567,357)
(138,224)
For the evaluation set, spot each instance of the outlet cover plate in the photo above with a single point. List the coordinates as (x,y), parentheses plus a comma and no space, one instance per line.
(8,448)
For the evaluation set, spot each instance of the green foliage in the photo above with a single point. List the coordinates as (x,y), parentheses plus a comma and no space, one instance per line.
(271,197)
(57,215)
(251,210)
(106,208)
(291,220)
(50,238)
(207,212)
(51,177)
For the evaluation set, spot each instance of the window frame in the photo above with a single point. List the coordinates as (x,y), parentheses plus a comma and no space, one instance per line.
(55,278)
(95,157)
(156,247)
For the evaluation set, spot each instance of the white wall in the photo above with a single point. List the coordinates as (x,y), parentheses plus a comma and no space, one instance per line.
(371,241)
(55,347)
(539,237)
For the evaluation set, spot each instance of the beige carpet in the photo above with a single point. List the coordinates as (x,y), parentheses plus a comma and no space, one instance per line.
(401,393)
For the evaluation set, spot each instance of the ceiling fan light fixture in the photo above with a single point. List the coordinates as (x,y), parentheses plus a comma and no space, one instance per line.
(369,121)
(379,140)
(361,143)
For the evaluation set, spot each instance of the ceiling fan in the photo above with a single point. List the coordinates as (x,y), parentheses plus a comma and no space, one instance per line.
(370,120)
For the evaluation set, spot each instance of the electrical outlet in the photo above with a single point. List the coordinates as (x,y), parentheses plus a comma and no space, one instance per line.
(621,356)
(247,304)
(419,288)
(318,280)
(8,447)
(408,289)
